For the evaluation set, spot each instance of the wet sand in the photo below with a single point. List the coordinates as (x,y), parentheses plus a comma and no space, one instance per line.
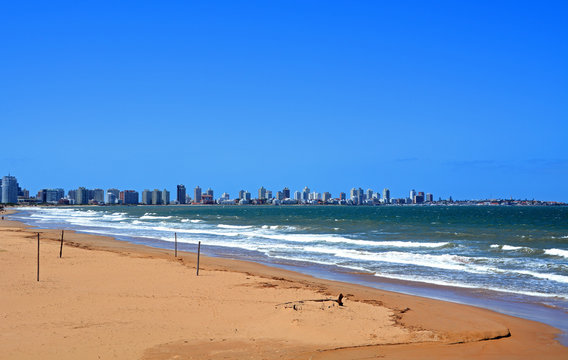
(111,299)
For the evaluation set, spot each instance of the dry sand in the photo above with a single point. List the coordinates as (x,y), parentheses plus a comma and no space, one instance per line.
(109,299)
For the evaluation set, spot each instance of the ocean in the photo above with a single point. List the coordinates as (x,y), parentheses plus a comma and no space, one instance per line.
(510,259)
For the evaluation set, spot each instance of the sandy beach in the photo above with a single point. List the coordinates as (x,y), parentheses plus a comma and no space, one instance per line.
(106,299)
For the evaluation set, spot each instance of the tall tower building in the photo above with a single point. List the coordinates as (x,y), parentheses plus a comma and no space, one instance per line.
(130,197)
(412,195)
(147,197)
(286,193)
(262,193)
(305,193)
(9,190)
(82,196)
(99,195)
(386,196)
(181,194)
(165,197)
(197,195)
(156,197)
(115,192)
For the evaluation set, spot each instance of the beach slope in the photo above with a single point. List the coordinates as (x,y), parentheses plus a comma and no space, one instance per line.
(110,299)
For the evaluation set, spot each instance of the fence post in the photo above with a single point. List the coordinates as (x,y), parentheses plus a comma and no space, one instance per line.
(61,246)
(198,253)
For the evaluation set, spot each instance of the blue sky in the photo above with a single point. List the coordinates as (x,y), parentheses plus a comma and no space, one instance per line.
(468,100)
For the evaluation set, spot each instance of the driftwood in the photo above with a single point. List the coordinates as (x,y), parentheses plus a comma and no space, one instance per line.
(339,301)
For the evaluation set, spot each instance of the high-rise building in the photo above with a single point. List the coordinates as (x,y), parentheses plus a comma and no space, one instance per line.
(247,196)
(147,197)
(429,197)
(279,195)
(116,194)
(110,198)
(52,196)
(342,196)
(412,195)
(386,195)
(197,195)
(357,196)
(129,197)
(72,195)
(297,196)
(99,196)
(262,193)
(165,197)
(269,194)
(242,194)
(419,199)
(9,190)
(305,193)
(369,194)
(181,194)
(82,196)
(157,197)
(286,193)
(209,192)
(326,196)
(315,196)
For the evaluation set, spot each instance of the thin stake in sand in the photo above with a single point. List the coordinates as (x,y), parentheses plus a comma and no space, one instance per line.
(61,246)
(176,242)
(198,253)
(37,256)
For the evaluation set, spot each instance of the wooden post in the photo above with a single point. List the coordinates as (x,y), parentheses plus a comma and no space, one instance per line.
(61,246)
(37,256)
(176,241)
(198,253)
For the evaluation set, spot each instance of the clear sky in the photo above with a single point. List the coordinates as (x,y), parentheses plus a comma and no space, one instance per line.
(462,99)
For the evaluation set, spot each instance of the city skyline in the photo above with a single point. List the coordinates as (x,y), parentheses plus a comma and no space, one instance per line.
(12,192)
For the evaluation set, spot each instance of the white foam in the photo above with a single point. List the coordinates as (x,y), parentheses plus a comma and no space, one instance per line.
(234,226)
(469,286)
(556,252)
(552,277)
(512,248)
(192,220)
(148,217)
(195,231)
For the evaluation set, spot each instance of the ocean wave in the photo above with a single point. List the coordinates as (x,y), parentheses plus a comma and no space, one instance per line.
(195,231)
(152,217)
(556,252)
(223,226)
(469,286)
(192,220)
(553,277)
(279,227)
(331,238)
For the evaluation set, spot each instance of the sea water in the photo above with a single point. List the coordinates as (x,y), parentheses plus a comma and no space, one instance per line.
(515,253)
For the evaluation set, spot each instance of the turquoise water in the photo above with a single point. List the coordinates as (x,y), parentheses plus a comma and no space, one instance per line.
(518,252)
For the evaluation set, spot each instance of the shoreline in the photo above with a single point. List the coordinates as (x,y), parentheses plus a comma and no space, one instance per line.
(439,323)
